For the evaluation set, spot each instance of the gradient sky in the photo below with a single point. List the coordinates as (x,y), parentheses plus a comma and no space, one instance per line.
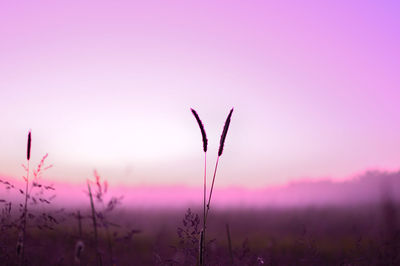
(109,86)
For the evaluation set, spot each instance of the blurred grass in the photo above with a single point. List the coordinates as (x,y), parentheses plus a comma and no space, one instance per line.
(311,236)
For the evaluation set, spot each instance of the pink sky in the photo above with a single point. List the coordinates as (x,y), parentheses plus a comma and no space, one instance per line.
(370,188)
(109,86)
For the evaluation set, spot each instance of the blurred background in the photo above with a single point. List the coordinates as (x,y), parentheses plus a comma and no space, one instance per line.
(310,170)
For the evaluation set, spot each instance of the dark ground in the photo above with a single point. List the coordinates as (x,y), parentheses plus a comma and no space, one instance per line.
(358,235)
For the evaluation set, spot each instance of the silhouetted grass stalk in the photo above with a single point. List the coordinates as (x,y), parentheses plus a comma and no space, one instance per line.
(24,217)
(203,233)
(205,142)
(220,151)
(96,242)
(228,234)
(201,249)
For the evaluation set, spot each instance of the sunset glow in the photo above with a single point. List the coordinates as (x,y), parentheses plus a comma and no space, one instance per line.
(109,86)
(199,132)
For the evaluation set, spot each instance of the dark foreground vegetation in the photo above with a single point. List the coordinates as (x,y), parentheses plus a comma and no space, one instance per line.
(362,235)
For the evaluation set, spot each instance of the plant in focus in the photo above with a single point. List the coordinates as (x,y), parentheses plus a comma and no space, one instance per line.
(205,142)
(206,208)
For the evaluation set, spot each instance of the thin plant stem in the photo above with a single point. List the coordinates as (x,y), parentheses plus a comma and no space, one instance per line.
(208,207)
(203,245)
(203,232)
(99,261)
(212,187)
(201,250)
(21,258)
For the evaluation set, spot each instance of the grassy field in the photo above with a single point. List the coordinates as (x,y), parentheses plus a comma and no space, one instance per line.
(104,231)
(363,235)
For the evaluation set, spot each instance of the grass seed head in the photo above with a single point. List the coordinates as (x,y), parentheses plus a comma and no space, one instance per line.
(203,132)
(28,151)
(224,132)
